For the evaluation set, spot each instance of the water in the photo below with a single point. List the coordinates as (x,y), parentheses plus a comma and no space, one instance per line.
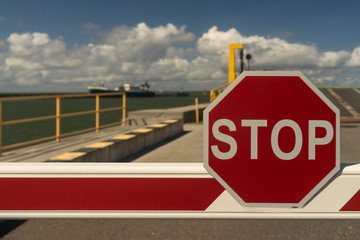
(14,110)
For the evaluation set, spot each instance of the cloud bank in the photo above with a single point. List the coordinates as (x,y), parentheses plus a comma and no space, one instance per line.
(167,56)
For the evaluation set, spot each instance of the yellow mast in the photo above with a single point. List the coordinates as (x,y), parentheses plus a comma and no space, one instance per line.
(232,48)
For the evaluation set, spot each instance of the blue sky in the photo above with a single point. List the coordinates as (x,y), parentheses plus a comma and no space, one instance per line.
(320,38)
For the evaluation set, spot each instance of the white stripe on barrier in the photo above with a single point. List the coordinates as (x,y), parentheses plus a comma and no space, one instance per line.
(331,199)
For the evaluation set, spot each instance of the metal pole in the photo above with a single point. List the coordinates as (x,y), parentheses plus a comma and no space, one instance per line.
(248,57)
(58,122)
(197,110)
(0,126)
(97,113)
(232,74)
(124,110)
(241,61)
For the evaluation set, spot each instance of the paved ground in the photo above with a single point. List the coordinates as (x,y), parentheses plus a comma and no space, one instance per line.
(188,147)
(346,99)
(186,229)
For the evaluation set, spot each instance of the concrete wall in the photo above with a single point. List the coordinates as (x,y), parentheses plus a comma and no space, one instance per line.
(122,146)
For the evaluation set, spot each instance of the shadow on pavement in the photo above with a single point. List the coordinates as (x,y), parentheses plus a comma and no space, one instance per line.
(9,225)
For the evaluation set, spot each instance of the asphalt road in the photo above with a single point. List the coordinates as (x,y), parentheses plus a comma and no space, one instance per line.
(190,145)
(186,229)
(351,96)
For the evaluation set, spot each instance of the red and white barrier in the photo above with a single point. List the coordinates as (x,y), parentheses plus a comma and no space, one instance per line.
(150,190)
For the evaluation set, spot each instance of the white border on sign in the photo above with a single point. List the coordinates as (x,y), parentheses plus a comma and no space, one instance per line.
(321,184)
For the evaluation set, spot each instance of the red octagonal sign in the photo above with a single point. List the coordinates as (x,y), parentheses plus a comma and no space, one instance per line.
(272,139)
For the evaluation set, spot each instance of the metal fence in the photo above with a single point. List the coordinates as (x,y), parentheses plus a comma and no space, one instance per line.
(58,116)
(217,91)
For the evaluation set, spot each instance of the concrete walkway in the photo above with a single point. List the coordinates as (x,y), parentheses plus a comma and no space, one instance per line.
(187,147)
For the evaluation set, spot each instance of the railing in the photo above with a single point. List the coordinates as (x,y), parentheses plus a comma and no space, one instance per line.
(59,116)
(217,91)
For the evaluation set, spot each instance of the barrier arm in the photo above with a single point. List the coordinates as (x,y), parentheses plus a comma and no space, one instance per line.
(151,190)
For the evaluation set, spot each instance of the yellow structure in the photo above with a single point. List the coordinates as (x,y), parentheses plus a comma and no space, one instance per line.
(232,74)
(217,91)
(232,48)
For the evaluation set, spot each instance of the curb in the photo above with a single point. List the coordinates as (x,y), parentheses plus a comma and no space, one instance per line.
(122,146)
(350,120)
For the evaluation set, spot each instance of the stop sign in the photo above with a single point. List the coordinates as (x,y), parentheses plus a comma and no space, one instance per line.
(272,139)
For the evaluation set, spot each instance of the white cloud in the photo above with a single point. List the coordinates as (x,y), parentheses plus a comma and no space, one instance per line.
(21,63)
(333,59)
(355,58)
(39,48)
(216,42)
(159,55)
(275,53)
(168,69)
(142,53)
(35,59)
(270,53)
(142,43)
(325,79)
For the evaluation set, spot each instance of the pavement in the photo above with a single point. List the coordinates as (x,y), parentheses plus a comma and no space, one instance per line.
(188,147)
(349,143)
(347,100)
